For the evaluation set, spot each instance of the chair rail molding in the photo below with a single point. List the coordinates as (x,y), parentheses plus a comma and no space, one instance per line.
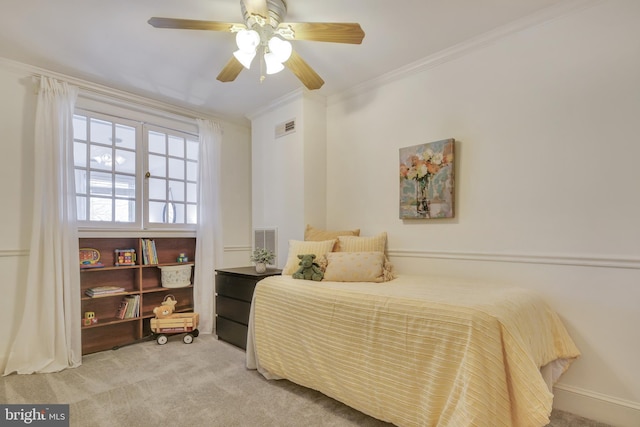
(553,259)
(13,252)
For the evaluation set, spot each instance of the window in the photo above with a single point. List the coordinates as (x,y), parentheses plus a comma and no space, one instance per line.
(172,178)
(134,175)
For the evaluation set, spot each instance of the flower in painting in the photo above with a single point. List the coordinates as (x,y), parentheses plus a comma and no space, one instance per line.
(422,170)
(404,170)
(437,158)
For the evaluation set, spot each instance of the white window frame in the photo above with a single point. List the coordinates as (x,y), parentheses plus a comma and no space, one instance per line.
(141,222)
(187,136)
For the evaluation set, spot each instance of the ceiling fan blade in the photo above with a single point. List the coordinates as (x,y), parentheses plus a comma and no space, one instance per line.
(193,24)
(304,72)
(257,7)
(339,32)
(230,71)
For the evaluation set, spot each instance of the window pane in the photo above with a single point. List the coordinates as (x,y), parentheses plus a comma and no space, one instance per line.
(192,193)
(81,204)
(101,132)
(126,161)
(176,146)
(160,212)
(101,157)
(125,186)
(81,181)
(100,184)
(125,137)
(179,213)
(100,209)
(192,150)
(176,191)
(80,127)
(125,210)
(80,154)
(176,169)
(192,171)
(192,214)
(157,166)
(157,189)
(157,143)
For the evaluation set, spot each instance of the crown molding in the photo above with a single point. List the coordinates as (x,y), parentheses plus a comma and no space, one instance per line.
(544,16)
(298,94)
(98,92)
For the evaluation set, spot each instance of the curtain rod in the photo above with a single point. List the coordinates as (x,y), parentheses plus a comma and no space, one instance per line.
(120,98)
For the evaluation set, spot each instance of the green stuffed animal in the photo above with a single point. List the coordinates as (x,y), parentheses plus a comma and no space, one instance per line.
(308,270)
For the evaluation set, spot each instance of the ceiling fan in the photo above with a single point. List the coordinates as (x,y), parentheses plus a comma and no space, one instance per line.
(264,31)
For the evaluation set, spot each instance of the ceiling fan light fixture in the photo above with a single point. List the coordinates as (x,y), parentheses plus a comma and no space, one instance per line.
(273,63)
(280,48)
(244,58)
(248,40)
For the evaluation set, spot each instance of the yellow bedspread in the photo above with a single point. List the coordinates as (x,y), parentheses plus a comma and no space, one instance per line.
(416,351)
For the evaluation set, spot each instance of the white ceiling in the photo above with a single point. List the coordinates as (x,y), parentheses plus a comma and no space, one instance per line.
(110,43)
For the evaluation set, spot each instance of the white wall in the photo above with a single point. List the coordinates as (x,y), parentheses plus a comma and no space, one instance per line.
(17,121)
(17,115)
(289,172)
(546,123)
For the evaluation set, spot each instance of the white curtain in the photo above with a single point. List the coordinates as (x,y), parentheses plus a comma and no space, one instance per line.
(47,336)
(209,244)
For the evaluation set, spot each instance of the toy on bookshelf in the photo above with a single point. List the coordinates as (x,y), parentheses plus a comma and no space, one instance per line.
(125,257)
(89,318)
(89,258)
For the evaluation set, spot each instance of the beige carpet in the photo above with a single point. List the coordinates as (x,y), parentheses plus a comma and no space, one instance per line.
(200,384)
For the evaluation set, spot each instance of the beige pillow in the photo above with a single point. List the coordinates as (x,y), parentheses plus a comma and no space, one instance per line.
(297,247)
(376,243)
(357,267)
(315,234)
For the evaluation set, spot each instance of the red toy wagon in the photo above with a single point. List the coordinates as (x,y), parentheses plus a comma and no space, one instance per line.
(169,323)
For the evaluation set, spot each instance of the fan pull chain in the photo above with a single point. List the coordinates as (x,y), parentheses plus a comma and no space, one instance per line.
(262,66)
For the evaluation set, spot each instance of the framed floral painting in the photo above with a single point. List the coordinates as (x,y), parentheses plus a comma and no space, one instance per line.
(427,180)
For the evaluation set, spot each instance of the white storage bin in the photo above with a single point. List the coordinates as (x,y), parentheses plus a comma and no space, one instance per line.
(175,276)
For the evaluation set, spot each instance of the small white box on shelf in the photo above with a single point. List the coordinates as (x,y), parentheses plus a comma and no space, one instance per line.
(175,276)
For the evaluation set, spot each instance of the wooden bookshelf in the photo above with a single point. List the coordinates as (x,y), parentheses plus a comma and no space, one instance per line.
(142,280)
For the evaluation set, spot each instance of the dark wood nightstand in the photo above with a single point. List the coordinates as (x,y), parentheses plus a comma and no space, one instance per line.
(234,291)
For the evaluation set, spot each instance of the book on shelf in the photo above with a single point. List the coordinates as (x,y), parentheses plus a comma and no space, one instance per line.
(122,309)
(133,306)
(149,253)
(103,290)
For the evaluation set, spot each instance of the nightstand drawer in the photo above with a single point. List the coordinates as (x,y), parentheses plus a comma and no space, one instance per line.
(235,287)
(233,309)
(231,332)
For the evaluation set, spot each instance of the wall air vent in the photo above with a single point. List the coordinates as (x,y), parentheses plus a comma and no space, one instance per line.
(266,238)
(285,128)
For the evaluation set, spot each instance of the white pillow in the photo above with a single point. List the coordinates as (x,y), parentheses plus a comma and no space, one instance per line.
(298,247)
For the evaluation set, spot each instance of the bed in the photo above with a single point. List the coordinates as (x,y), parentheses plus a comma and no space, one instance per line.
(414,351)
